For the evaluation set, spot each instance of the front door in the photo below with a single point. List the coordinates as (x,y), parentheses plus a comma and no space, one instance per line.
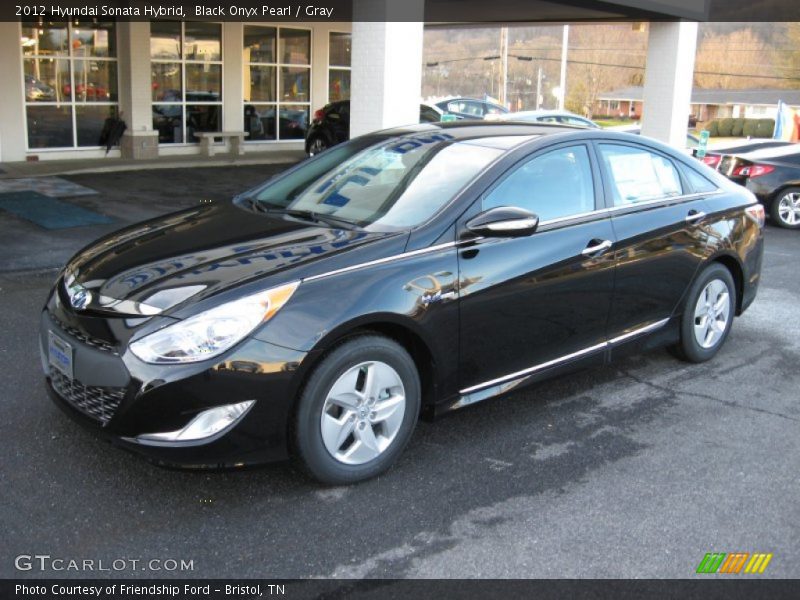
(543,299)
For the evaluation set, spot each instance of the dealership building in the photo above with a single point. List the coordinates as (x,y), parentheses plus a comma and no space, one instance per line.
(172,81)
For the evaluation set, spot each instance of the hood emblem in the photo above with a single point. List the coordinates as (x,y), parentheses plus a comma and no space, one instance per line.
(79,297)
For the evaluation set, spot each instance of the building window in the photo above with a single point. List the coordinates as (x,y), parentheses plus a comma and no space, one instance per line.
(277,82)
(186,79)
(70,72)
(339,49)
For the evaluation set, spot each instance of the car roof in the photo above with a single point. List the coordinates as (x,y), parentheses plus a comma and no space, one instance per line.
(547,113)
(466,129)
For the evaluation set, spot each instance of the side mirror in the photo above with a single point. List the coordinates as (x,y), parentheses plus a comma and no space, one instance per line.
(504,221)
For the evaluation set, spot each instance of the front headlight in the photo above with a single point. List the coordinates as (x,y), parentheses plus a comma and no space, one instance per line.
(212,332)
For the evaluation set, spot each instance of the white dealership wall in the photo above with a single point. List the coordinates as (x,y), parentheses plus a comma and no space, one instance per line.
(134,92)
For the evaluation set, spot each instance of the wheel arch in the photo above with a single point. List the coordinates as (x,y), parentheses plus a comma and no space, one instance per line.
(400,330)
(734,266)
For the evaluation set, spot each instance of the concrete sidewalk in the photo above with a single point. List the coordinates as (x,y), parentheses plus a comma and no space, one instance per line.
(13,170)
(126,197)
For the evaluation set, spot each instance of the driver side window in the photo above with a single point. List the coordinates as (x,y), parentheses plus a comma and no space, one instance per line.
(552,185)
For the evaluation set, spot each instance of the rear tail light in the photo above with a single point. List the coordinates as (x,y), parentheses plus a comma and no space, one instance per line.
(752,171)
(712,160)
(319,115)
(756,213)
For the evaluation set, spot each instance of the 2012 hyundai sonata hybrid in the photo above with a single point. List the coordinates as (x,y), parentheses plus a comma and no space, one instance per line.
(404,273)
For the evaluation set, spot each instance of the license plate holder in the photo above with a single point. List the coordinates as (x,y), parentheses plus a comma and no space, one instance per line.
(60,354)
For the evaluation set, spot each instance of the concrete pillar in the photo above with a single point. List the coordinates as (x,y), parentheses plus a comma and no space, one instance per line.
(386,65)
(12,94)
(668,81)
(135,93)
(232,77)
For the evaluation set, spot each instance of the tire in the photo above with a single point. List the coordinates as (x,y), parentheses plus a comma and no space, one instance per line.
(785,208)
(706,292)
(337,409)
(316,145)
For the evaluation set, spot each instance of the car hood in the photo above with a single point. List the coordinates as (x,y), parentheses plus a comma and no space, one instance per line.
(152,267)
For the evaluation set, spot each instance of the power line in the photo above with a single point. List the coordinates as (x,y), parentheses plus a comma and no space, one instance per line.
(618,66)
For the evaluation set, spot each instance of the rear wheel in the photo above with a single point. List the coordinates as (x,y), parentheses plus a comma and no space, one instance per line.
(785,209)
(708,315)
(317,145)
(358,410)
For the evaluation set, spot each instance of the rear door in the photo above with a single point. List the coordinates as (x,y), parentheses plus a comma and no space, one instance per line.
(658,223)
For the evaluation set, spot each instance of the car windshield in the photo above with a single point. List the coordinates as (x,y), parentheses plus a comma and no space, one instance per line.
(395,183)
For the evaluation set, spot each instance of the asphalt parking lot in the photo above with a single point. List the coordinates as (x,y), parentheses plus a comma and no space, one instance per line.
(634,470)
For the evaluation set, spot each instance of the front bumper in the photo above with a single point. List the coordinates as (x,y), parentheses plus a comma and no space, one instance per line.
(121,398)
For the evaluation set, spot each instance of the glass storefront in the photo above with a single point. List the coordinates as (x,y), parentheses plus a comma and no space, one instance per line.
(277,82)
(186,79)
(339,49)
(71,87)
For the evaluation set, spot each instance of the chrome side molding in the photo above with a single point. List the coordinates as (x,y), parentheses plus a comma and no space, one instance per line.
(493,387)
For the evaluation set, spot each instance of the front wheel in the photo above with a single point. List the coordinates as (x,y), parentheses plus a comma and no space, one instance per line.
(708,315)
(785,209)
(358,410)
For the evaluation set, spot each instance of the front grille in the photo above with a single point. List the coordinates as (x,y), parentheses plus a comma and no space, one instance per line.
(100,403)
(85,338)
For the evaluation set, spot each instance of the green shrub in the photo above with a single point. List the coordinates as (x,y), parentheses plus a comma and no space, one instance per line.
(713,128)
(766,127)
(750,128)
(725,127)
(738,127)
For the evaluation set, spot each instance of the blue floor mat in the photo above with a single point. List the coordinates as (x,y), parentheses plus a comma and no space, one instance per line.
(48,212)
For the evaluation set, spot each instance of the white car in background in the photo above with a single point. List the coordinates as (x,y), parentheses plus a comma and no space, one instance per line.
(560,117)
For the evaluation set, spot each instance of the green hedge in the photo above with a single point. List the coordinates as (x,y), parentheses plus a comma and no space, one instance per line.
(766,127)
(725,127)
(758,128)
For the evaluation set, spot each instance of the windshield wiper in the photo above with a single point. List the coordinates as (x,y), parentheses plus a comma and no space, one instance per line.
(265,206)
(310,215)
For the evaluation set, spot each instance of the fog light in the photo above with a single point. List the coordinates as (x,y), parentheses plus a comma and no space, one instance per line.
(204,425)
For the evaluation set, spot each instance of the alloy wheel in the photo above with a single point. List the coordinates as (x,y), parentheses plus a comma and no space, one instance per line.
(711,313)
(317,145)
(363,412)
(789,209)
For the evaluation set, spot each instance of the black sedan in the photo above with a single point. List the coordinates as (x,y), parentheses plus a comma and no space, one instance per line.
(773,175)
(331,125)
(404,273)
(714,155)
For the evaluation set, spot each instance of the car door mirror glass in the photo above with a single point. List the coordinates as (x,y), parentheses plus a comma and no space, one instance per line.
(504,221)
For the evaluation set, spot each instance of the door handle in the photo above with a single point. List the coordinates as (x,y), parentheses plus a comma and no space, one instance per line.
(596,249)
(694,216)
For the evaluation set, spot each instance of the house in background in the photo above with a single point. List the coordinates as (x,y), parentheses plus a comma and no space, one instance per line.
(706,104)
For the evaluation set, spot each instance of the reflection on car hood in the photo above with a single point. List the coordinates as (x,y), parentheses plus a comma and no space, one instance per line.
(151,267)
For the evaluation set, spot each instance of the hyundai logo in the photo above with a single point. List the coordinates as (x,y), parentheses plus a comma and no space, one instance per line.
(79,298)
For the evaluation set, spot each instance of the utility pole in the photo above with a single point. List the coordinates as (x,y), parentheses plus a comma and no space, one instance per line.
(539,88)
(564,43)
(503,65)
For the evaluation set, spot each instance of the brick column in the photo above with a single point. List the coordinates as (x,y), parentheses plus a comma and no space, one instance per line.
(668,81)
(386,66)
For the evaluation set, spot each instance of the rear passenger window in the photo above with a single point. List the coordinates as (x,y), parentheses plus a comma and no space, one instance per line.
(552,185)
(699,183)
(638,175)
